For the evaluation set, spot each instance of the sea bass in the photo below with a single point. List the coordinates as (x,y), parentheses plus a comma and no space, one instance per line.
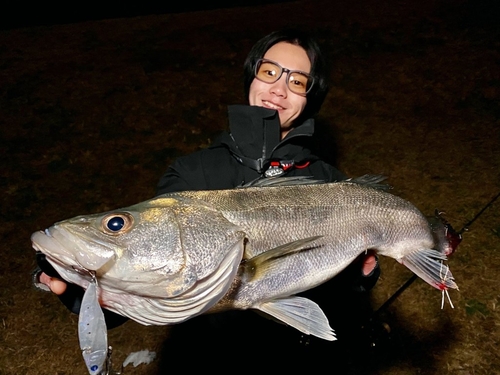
(182,254)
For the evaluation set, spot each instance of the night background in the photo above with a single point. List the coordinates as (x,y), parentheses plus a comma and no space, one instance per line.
(95,104)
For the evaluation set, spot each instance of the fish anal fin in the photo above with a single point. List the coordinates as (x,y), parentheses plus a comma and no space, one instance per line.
(301,314)
(428,264)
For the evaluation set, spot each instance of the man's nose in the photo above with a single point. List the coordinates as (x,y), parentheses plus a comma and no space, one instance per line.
(279,87)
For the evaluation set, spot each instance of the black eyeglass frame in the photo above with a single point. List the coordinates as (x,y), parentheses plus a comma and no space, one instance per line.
(288,72)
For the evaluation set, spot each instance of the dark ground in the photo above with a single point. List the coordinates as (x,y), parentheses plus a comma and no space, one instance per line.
(92,113)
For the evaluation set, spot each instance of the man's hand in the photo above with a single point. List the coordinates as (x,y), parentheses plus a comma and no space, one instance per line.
(56,285)
(369,262)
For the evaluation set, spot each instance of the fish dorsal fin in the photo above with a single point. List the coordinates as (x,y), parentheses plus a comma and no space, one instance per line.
(261,263)
(282,181)
(428,264)
(301,314)
(372,180)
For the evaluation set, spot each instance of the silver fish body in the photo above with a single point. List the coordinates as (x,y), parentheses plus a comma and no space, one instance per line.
(348,218)
(182,254)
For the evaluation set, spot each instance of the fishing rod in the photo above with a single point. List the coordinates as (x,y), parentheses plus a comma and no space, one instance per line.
(466,226)
(454,239)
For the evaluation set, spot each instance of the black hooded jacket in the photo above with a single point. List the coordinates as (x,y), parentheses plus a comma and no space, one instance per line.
(251,149)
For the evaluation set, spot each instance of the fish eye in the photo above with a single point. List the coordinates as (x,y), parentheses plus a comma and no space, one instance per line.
(117,223)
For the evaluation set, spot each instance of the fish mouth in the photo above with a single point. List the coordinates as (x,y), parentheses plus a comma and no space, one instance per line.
(68,255)
(150,307)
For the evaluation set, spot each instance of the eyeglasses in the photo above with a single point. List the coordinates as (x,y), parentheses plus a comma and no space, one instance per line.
(298,82)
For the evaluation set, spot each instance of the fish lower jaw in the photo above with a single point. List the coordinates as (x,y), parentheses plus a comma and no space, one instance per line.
(60,261)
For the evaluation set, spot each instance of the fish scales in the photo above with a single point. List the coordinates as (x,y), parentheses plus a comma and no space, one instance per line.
(182,254)
(351,218)
(339,212)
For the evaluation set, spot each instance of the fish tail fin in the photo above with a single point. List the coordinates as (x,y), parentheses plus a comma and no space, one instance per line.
(429,265)
(300,313)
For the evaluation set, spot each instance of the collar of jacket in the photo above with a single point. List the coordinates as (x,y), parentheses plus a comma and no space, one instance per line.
(255,137)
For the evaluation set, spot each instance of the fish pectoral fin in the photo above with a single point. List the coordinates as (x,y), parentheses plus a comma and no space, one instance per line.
(300,313)
(260,264)
(428,264)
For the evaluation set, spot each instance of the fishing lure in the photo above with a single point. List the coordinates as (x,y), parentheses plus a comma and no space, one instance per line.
(92,331)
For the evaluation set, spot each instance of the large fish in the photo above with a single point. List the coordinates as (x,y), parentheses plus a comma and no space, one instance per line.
(182,254)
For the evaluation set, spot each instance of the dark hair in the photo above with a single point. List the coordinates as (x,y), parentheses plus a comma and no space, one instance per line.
(319,90)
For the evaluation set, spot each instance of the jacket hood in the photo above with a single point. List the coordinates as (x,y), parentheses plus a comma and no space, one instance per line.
(255,130)
(254,137)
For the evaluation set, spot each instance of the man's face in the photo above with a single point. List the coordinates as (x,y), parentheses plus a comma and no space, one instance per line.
(277,95)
